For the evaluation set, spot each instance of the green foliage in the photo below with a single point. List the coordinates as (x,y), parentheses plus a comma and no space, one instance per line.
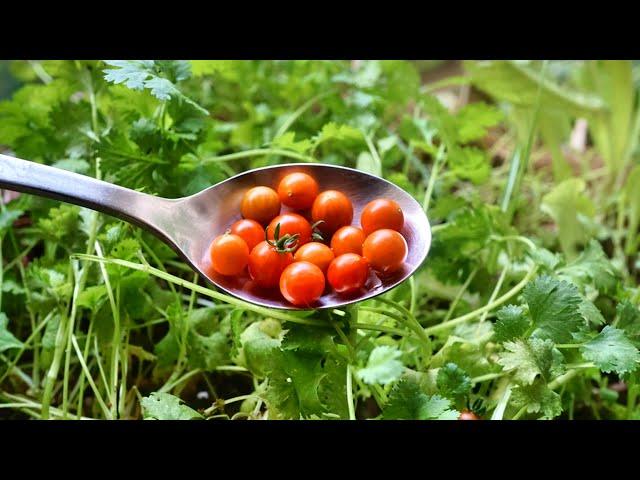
(530,285)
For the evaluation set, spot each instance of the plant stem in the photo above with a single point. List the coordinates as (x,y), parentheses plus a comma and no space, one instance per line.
(352,412)
(257,152)
(490,306)
(432,178)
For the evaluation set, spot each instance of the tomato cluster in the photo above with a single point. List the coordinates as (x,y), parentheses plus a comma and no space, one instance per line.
(301,252)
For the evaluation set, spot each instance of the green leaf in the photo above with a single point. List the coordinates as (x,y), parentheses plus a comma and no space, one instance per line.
(473,120)
(612,351)
(407,401)
(367,163)
(565,204)
(7,340)
(75,165)
(452,381)
(537,397)
(531,359)
(628,318)
(227,69)
(333,131)
(157,77)
(554,308)
(512,322)
(592,265)
(590,312)
(287,142)
(259,342)
(469,163)
(383,366)
(164,406)
(519,83)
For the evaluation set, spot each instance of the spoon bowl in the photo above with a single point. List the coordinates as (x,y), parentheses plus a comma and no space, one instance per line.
(190,224)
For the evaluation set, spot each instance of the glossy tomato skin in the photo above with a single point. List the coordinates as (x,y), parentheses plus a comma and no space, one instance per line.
(266,264)
(348,273)
(261,204)
(249,230)
(386,250)
(317,253)
(381,213)
(298,190)
(334,209)
(291,223)
(229,254)
(347,240)
(302,283)
(468,415)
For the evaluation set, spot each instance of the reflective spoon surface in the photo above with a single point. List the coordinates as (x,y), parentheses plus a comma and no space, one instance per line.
(190,224)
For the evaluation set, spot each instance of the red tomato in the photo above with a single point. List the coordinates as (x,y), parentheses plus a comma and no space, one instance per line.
(291,223)
(381,213)
(334,209)
(315,252)
(229,254)
(266,264)
(249,230)
(468,415)
(348,273)
(302,283)
(298,190)
(386,250)
(347,240)
(260,204)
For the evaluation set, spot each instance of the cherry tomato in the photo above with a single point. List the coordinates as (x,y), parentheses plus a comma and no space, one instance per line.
(266,264)
(298,190)
(302,283)
(386,250)
(315,252)
(291,223)
(249,230)
(381,213)
(348,273)
(468,415)
(260,204)
(229,254)
(334,209)
(347,240)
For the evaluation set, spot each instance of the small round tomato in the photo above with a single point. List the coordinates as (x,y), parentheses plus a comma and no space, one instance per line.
(347,240)
(348,273)
(315,252)
(229,254)
(468,415)
(291,224)
(249,230)
(298,190)
(266,264)
(381,213)
(260,204)
(302,283)
(334,209)
(386,250)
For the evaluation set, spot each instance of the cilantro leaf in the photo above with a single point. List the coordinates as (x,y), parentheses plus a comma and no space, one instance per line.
(592,265)
(473,120)
(554,308)
(287,142)
(628,318)
(452,381)
(164,406)
(469,163)
(512,323)
(407,401)
(383,366)
(537,397)
(531,359)
(7,340)
(612,351)
(152,75)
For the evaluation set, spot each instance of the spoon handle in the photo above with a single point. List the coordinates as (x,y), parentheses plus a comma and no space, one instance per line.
(141,209)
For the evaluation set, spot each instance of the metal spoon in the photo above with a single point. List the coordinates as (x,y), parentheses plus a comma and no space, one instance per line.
(190,224)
